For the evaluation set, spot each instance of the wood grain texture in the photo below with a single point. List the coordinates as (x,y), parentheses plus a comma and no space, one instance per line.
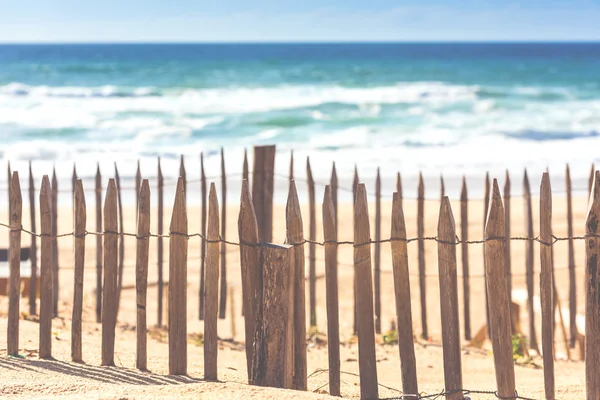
(33,287)
(79,258)
(295,236)
(364,298)
(312,250)
(223,257)
(546,286)
(141,272)
(592,289)
(250,270)
(211,303)
(331,292)
(178,248)
(449,300)
(109,295)
(99,247)
(408,364)
(121,238)
(159,244)
(14,260)
(421,249)
(203,238)
(572,277)
(507,265)
(377,255)
(46,281)
(464,252)
(55,277)
(528,218)
(499,308)
(273,346)
(354,188)
(262,190)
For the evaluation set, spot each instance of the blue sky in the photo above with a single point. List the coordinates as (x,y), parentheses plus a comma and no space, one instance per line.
(306,20)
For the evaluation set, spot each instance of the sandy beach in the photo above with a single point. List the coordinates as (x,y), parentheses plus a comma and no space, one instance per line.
(31,377)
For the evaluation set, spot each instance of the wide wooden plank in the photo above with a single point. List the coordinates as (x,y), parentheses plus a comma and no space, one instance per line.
(46,271)
(295,237)
(250,269)
(331,288)
(421,249)
(110,292)
(592,290)
(367,362)
(79,258)
(312,251)
(499,308)
(141,272)
(14,260)
(263,178)
(408,364)
(99,247)
(178,248)
(464,251)
(211,302)
(33,247)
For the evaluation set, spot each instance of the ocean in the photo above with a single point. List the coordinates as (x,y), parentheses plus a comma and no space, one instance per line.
(450,109)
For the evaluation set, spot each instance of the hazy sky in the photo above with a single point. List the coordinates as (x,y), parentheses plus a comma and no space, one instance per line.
(299,20)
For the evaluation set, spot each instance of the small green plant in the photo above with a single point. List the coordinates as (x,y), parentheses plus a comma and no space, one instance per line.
(519,346)
(390,337)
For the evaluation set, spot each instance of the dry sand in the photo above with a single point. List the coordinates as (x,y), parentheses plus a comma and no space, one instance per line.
(31,377)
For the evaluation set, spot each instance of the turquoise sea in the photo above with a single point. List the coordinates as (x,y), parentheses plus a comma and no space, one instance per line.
(440,108)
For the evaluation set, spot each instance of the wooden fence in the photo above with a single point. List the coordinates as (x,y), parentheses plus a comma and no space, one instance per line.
(273,276)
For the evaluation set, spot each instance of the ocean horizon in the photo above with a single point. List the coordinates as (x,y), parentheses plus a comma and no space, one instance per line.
(451,108)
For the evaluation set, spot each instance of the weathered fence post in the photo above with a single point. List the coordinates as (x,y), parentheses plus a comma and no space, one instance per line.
(295,237)
(546,289)
(178,247)
(182,173)
(333,325)
(408,365)
(334,199)
(591,180)
(138,185)
(464,247)
(109,301)
(364,297)
(245,173)
(79,257)
(211,303)
(99,248)
(421,245)
(262,190)
(203,238)
(273,363)
(495,241)
(33,248)
(312,235)
(592,300)
(572,278)
(55,277)
(291,176)
(223,277)
(399,186)
(14,256)
(8,182)
(73,184)
(159,243)
(250,270)
(486,205)
(121,238)
(442,187)
(529,261)
(141,271)
(378,253)
(46,269)
(449,301)
(507,265)
(354,188)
